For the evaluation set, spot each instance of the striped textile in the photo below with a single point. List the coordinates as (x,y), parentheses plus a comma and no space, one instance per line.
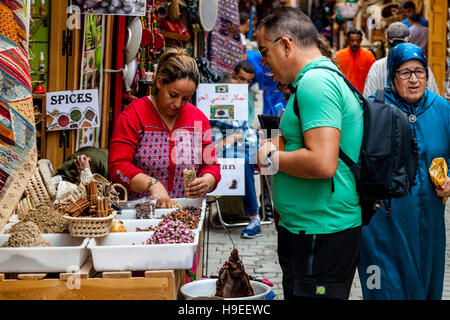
(18,155)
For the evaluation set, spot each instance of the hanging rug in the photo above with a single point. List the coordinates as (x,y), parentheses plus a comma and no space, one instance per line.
(18,156)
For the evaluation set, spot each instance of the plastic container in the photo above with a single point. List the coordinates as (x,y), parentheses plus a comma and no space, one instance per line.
(116,252)
(65,254)
(206,289)
(131,224)
(130,213)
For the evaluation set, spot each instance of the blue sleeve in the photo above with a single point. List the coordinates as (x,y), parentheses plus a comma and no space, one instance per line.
(254,58)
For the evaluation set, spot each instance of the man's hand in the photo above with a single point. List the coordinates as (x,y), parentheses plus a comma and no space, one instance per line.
(265,146)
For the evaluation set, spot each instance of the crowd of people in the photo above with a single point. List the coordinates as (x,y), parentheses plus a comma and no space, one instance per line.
(321,240)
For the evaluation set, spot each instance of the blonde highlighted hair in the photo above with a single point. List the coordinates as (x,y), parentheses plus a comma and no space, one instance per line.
(176,64)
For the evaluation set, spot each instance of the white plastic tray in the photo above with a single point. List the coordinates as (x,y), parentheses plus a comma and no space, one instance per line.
(131,224)
(116,252)
(159,213)
(126,214)
(65,254)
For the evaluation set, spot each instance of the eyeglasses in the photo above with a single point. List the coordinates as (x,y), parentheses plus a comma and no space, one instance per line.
(405,74)
(263,51)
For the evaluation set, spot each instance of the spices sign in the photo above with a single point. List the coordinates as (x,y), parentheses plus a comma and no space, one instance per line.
(68,110)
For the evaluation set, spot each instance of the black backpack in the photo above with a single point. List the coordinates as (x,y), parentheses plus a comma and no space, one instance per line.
(387,163)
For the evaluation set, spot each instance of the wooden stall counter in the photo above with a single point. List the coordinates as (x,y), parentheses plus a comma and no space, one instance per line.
(89,285)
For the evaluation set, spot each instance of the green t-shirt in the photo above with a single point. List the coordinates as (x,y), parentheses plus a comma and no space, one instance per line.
(310,205)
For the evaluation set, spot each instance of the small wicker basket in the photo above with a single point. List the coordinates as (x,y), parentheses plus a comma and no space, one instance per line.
(89,227)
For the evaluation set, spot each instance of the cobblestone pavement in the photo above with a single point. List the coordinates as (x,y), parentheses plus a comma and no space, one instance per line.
(260,258)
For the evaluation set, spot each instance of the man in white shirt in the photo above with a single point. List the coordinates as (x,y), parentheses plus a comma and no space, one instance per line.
(396,33)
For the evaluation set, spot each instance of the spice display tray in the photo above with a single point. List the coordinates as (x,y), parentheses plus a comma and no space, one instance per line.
(126,214)
(116,252)
(131,224)
(66,253)
(159,213)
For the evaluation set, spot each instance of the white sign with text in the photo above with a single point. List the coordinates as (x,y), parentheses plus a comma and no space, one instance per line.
(77,109)
(232,182)
(224,101)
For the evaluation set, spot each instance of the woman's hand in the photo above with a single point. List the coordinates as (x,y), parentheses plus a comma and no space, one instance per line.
(444,190)
(162,196)
(201,186)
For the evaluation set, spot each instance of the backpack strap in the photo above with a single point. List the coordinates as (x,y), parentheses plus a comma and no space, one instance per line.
(379,97)
(344,157)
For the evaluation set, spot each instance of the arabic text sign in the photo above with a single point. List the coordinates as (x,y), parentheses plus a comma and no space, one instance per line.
(71,109)
(223,101)
(232,182)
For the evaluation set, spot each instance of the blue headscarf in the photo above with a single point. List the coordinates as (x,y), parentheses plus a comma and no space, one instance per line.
(397,56)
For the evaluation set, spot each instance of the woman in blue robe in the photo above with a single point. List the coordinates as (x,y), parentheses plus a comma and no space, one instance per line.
(403,252)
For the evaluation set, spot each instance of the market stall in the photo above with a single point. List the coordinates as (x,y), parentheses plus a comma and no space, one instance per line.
(76,248)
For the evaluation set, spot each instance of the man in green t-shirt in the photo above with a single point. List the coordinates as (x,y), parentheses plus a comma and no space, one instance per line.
(314,192)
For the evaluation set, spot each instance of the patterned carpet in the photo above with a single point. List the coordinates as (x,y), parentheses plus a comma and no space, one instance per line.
(17,131)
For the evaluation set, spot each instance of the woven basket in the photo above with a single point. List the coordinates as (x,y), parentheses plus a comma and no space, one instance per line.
(24,206)
(36,189)
(89,227)
(104,189)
